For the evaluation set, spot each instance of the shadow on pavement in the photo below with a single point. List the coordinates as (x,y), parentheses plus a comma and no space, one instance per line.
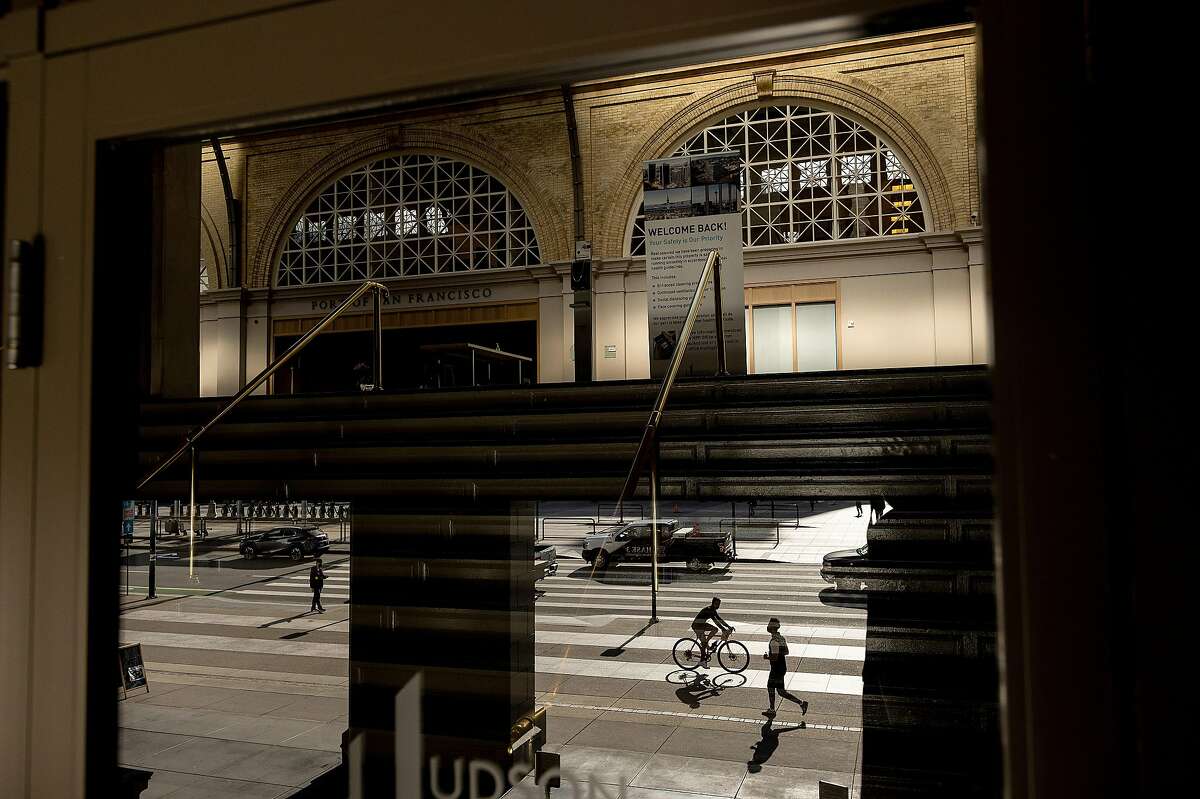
(613,575)
(696,691)
(767,744)
(843,599)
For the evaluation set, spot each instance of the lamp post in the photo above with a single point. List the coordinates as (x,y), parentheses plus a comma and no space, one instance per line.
(153,548)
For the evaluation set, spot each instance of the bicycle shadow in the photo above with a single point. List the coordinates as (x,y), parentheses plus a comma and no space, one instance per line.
(697,690)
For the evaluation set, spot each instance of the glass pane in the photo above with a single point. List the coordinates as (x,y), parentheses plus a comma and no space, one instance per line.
(749,360)
(816,337)
(773,339)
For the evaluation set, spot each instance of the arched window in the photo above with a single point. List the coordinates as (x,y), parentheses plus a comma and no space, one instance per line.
(808,175)
(405,216)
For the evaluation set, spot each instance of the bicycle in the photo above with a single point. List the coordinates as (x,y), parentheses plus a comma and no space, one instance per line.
(733,656)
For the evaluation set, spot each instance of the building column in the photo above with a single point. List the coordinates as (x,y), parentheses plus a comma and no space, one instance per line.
(637,328)
(981,302)
(221,343)
(551,345)
(608,316)
(258,340)
(567,321)
(175,303)
(952,342)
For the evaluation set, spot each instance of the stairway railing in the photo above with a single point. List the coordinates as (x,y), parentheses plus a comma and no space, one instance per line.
(189,444)
(647,452)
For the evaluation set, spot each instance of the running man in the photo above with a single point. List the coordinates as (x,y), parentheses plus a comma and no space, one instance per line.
(705,631)
(777,652)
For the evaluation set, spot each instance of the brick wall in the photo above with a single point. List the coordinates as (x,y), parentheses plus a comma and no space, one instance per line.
(916,90)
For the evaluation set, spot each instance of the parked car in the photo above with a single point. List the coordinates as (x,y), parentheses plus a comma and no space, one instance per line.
(855,571)
(631,542)
(295,542)
(545,562)
(847,569)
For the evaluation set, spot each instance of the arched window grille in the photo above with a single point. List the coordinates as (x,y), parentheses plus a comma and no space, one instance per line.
(808,175)
(405,216)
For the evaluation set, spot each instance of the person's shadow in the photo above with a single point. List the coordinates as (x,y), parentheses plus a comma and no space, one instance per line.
(698,689)
(766,746)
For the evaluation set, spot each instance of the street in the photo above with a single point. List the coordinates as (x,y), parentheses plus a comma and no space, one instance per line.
(248,691)
(620,712)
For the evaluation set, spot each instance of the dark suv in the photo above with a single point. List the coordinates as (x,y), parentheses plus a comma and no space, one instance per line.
(295,542)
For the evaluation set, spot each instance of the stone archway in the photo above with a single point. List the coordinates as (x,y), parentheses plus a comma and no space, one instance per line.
(847,96)
(548,223)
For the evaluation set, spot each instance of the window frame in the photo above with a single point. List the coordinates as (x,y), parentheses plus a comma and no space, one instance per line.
(792,295)
(358,225)
(885,155)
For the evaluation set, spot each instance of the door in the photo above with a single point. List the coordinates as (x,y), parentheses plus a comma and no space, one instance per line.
(793,337)
(816,337)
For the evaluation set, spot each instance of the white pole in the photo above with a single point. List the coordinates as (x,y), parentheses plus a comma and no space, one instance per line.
(192,522)
(654,533)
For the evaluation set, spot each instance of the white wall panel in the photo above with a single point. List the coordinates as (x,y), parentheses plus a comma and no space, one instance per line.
(893,321)
(952,316)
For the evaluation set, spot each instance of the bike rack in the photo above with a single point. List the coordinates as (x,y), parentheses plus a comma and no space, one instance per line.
(619,509)
(572,519)
(733,524)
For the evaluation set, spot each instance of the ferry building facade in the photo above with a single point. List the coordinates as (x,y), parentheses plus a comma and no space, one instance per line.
(860,221)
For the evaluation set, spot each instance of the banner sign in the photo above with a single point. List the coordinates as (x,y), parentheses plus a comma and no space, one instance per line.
(693,206)
(133,671)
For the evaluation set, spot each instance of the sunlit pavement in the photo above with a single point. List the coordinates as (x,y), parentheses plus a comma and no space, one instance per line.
(621,713)
(248,692)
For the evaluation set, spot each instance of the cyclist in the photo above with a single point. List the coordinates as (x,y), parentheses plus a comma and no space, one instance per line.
(705,631)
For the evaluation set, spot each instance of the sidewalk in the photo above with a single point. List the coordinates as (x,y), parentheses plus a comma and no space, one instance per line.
(218,545)
(805,538)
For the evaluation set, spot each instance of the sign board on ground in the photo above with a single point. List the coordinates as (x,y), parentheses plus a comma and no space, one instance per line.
(133,670)
(693,206)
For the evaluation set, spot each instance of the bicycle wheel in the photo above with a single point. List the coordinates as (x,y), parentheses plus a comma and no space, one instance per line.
(733,656)
(687,654)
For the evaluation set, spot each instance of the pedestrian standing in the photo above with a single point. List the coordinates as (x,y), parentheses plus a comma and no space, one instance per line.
(777,651)
(878,505)
(858,508)
(316,579)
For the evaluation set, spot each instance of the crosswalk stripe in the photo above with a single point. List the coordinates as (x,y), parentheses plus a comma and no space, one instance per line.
(573,638)
(747,617)
(732,608)
(544,634)
(228,643)
(798,630)
(258,592)
(662,643)
(727,601)
(698,586)
(343,581)
(309,623)
(800,681)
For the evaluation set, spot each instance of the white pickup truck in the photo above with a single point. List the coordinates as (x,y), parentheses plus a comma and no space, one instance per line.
(631,542)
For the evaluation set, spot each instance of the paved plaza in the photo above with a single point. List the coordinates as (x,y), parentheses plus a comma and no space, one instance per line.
(248,693)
